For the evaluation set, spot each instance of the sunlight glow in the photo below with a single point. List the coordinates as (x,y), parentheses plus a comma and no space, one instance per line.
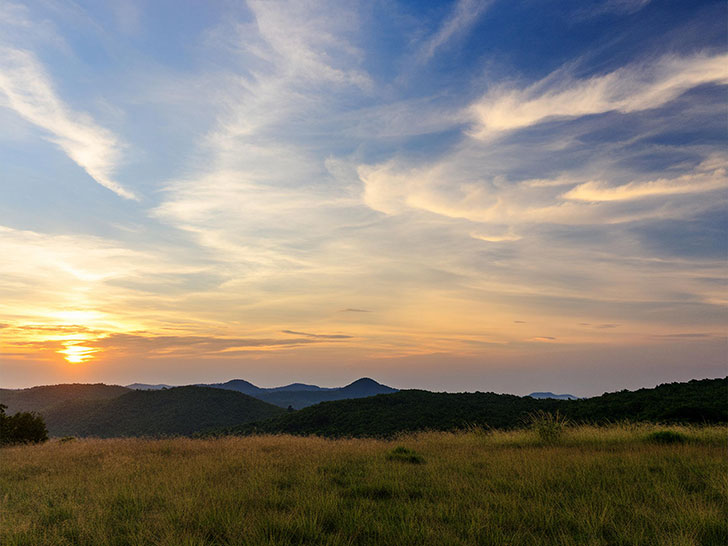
(76,354)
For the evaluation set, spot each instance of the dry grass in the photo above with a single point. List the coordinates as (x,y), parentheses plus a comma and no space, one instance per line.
(594,486)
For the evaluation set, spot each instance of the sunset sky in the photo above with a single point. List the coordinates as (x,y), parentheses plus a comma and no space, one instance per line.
(469,195)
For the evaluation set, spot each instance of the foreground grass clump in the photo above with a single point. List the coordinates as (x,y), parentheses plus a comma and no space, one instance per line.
(549,427)
(667,437)
(401,453)
(597,486)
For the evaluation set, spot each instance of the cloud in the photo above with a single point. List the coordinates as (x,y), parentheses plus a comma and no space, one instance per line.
(632,88)
(506,237)
(200,345)
(115,344)
(259,167)
(303,38)
(618,7)
(317,336)
(73,284)
(701,181)
(696,335)
(29,92)
(463,16)
(353,310)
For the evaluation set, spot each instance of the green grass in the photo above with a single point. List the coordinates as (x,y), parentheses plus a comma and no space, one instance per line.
(594,486)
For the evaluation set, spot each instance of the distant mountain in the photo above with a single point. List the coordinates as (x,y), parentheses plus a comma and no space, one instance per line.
(41,398)
(299,387)
(146,387)
(301,395)
(365,387)
(697,401)
(175,411)
(298,399)
(542,395)
(238,385)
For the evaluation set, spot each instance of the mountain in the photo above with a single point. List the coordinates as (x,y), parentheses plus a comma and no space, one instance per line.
(299,387)
(554,396)
(238,385)
(146,387)
(303,398)
(41,398)
(365,387)
(697,401)
(175,411)
(301,395)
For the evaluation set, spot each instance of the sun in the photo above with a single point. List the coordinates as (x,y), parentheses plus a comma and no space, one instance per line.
(76,354)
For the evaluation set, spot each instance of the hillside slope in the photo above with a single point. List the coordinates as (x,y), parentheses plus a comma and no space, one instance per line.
(412,410)
(176,411)
(42,398)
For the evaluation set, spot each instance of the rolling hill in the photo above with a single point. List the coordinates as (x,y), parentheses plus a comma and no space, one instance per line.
(176,411)
(702,401)
(41,398)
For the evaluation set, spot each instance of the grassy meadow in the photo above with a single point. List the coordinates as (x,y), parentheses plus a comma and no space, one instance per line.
(613,485)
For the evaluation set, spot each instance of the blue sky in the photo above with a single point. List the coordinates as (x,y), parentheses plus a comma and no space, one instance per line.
(491,195)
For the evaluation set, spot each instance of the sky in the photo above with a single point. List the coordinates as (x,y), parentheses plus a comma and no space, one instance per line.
(458,196)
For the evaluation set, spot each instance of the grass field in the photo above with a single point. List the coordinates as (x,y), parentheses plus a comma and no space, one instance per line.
(617,485)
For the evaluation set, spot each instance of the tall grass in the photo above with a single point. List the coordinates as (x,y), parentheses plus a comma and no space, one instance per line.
(593,486)
(549,427)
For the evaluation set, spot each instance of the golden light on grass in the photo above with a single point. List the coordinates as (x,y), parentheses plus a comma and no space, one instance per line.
(605,485)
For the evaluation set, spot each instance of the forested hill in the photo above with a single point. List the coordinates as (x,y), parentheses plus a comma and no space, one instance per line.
(41,398)
(411,410)
(181,410)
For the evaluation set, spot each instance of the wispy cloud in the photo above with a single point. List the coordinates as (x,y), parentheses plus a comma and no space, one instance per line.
(463,16)
(543,339)
(629,89)
(28,91)
(317,336)
(118,344)
(710,175)
(618,7)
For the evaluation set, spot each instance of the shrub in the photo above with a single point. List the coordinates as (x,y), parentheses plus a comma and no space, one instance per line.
(548,426)
(667,437)
(21,428)
(402,454)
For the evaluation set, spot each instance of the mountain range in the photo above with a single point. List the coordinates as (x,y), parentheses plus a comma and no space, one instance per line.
(358,409)
(542,395)
(142,409)
(295,395)
(697,401)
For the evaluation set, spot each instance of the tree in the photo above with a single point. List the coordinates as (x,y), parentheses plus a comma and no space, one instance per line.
(23,427)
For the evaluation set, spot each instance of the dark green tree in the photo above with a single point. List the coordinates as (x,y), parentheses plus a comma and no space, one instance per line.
(23,427)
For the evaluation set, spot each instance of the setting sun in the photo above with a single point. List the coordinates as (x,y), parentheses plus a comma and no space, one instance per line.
(76,354)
